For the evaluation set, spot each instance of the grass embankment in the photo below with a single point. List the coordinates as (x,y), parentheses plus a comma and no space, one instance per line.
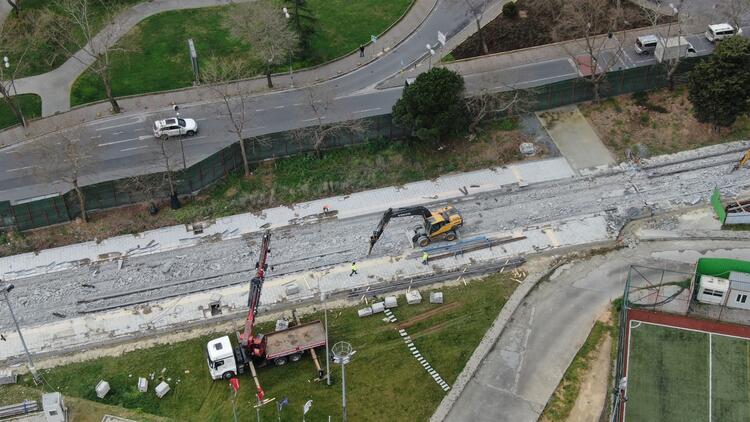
(295,179)
(661,121)
(384,381)
(31,107)
(155,56)
(564,398)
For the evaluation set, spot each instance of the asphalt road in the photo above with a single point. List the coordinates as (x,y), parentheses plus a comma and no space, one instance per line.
(123,146)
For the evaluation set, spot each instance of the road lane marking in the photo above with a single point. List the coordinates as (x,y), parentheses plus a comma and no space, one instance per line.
(20,168)
(202,119)
(260,109)
(367,110)
(134,148)
(117,133)
(298,104)
(313,119)
(96,137)
(278,107)
(140,138)
(120,125)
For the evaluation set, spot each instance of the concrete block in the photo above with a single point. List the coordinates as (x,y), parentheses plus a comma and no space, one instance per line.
(7,376)
(391,301)
(436,297)
(378,307)
(281,324)
(364,312)
(413,297)
(162,389)
(292,289)
(102,388)
(142,385)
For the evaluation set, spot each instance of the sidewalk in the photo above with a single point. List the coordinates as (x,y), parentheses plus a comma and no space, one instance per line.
(232,227)
(52,122)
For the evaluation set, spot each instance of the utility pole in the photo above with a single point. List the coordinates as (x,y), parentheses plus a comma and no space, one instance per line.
(342,354)
(7,289)
(324,299)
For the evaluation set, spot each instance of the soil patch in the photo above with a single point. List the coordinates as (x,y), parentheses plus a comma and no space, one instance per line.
(658,122)
(427,315)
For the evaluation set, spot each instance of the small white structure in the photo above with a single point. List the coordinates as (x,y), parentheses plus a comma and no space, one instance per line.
(54,407)
(378,307)
(142,385)
(413,297)
(391,302)
(281,324)
(162,389)
(364,312)
(739,293)
(436,297)
(713,290)
(102,389)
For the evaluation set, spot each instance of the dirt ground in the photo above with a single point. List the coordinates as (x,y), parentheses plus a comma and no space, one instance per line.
(662,121)
(593,393)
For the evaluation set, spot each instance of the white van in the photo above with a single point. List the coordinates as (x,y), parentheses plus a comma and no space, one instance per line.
(645,44)
(720,31)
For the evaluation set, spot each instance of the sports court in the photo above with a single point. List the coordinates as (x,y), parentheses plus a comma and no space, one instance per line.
(682,369)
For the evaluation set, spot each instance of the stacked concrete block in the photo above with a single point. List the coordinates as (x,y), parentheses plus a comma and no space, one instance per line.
(162,389)
(391,302)
(102,388)
(378,307)
(436,297)
(413,297)
(142,385)
(364,312)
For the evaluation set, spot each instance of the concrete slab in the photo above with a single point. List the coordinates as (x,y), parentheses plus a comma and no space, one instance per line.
(575,138)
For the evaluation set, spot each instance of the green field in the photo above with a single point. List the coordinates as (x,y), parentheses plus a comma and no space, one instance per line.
(680,375)
(384,381)
(155,56)
(31,107)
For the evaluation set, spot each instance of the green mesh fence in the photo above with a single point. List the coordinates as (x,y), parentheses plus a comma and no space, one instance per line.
(59,209)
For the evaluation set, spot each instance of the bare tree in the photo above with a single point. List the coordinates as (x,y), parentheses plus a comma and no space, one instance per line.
(167,154)
(66,161)
(674,28)
(76,28)
(264,27)
(223,77)
(595,54)
(477,8)
(492,104)
(736,10)
(319,104)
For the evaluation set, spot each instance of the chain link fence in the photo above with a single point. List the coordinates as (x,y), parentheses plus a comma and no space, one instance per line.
(61,208)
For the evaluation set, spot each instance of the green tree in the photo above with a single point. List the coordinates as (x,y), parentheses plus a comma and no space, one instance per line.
(303,20)
(433,106)
(719,88)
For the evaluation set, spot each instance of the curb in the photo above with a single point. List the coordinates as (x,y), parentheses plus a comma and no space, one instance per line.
(487,343)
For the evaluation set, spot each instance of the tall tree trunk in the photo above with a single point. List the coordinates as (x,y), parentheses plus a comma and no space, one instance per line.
(108,90)
(245,164)
(81,201)
(14,107)
(481,37)
(268,76)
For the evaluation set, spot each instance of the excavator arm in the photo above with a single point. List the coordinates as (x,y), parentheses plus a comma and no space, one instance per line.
(398,212)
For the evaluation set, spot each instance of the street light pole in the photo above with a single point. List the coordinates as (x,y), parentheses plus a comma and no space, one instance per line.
(342,354)
(6,289)
(291,75)
(432,53)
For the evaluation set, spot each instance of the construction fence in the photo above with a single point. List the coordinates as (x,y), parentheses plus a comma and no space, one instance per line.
(60,208)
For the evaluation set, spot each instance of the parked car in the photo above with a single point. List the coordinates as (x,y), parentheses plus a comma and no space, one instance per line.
(175,127)
(720,31)
(646,44)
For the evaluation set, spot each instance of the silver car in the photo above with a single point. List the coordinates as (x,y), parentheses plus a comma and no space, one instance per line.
(175,127)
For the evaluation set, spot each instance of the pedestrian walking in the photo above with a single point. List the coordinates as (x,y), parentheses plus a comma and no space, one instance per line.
(361,50)
(354,269)
(425,257)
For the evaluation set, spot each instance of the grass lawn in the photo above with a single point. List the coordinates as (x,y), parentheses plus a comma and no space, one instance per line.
(661,120)
(31,107)
(156,54)
(669,376)
(44,56)
(384,381)
(294,179)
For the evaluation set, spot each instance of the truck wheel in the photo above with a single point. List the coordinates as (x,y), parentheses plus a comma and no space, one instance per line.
(190,133)
(227,375)
(280,361)
(295,357)
(451,236)
(423,241)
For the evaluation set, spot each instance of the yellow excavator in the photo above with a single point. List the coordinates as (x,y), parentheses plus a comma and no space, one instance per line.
(744,160)
(438,224)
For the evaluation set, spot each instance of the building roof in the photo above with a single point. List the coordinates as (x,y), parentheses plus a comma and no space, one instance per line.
(720,27)
(739,281)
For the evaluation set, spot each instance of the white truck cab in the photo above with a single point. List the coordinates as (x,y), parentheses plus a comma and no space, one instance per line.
(221,361)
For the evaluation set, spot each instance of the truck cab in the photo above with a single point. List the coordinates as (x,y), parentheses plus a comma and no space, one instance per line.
(221,360)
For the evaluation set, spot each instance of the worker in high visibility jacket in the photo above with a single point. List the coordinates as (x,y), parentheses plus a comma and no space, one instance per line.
(354,269)
(425,257)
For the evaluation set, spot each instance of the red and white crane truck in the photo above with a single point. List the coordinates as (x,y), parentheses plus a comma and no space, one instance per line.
(279,347)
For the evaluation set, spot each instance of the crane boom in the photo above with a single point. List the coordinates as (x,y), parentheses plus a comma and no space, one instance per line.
(256,285)
(398,212)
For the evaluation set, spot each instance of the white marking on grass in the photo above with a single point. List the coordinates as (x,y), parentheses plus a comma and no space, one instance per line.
(692,329)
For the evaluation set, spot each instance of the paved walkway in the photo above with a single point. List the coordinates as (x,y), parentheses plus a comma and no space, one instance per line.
(576,139)
(54,86)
